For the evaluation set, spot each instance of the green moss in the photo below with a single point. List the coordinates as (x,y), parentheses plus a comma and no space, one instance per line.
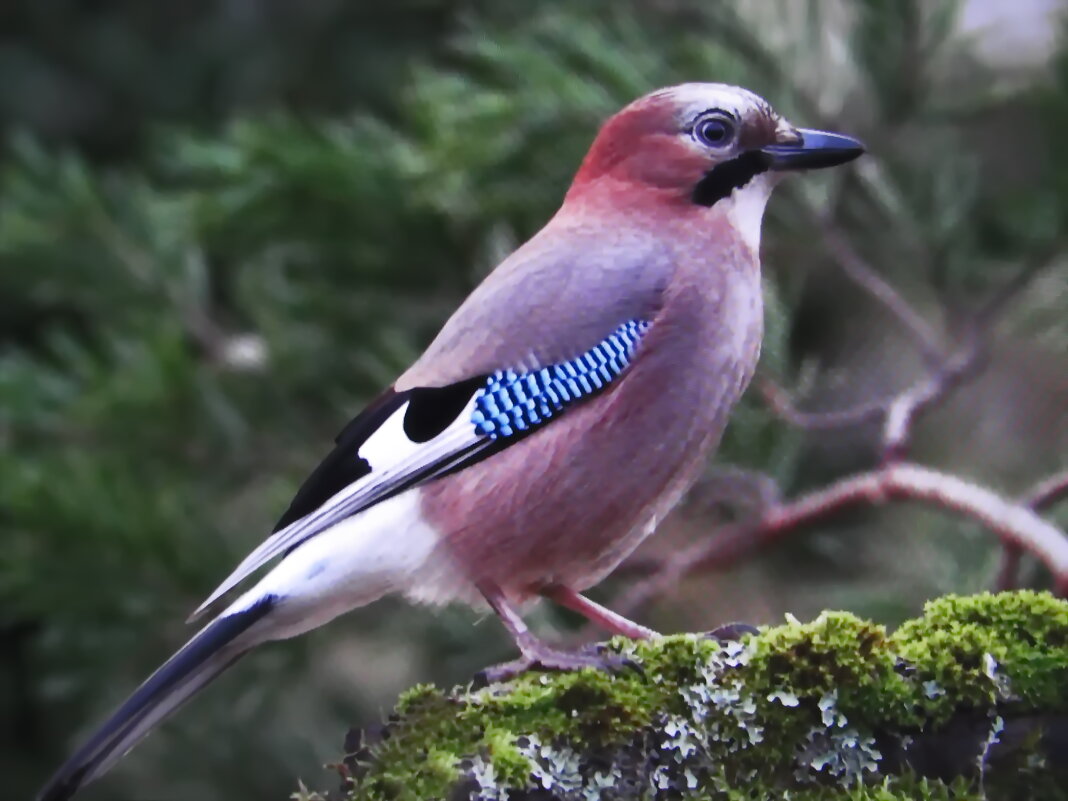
(805,711)
(840,670)
(990,648)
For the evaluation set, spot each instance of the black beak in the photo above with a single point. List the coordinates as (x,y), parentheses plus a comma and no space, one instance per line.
(815,150)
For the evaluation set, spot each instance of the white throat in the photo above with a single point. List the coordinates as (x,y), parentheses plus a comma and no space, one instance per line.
(745,209)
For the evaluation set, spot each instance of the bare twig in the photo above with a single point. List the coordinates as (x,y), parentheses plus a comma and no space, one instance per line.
(1008,568)
(779,401)
(994,306)
(1046,493)
(965,364)
(926,339)
(898,412)
(1014,523)
(903,409)
(739,489)
(946,372)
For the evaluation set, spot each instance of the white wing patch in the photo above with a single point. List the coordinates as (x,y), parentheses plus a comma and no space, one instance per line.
(389,443)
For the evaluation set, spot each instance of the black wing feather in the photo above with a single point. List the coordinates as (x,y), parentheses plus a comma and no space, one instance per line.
(343,464)
(430,411)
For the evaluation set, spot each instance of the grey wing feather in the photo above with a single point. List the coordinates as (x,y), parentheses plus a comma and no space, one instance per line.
(552,299)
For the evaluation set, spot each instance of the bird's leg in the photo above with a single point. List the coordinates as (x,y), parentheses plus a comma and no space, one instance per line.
(597,614)
(535,652)
(617,624)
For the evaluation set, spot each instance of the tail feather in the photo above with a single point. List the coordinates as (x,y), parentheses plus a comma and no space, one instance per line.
(204,657)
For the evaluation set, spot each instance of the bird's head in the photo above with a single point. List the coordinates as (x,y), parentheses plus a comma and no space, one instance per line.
(705,145)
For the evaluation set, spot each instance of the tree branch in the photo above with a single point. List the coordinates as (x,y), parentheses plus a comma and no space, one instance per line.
(780,402)
(924,337)
(1046,493)
(1014,523)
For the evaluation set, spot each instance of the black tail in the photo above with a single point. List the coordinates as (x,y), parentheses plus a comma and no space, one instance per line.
(198,662)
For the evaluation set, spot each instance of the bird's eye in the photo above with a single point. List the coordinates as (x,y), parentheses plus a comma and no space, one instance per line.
(716,130)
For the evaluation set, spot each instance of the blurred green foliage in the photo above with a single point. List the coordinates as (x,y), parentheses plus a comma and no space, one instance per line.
(224,226)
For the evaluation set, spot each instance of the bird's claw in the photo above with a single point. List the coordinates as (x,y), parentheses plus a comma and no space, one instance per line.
(596,656)
(730,632)
(609,660)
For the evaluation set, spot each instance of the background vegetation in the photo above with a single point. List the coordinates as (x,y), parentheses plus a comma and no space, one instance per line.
(225,225)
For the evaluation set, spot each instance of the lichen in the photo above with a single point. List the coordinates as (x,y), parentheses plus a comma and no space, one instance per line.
(833,708)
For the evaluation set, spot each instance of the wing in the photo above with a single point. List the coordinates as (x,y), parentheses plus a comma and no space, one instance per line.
(433,410)
(409,437)
(556,297)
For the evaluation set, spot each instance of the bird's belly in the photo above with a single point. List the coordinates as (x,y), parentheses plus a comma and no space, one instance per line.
(569,503)
(570,519)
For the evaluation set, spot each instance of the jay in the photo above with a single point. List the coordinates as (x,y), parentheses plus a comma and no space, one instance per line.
(562,410)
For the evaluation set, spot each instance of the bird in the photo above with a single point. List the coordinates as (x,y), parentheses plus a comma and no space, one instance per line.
(561,412)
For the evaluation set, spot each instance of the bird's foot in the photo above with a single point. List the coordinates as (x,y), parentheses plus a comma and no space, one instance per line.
(544,657)
(730,632)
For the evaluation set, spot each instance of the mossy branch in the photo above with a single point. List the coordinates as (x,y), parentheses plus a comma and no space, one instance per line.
(969,701)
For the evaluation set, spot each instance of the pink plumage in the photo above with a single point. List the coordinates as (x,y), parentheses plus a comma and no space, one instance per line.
(561,412)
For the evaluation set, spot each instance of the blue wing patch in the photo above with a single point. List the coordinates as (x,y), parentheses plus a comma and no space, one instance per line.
(514,402)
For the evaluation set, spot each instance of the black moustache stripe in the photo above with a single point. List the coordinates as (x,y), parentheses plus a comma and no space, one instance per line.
(724,178)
